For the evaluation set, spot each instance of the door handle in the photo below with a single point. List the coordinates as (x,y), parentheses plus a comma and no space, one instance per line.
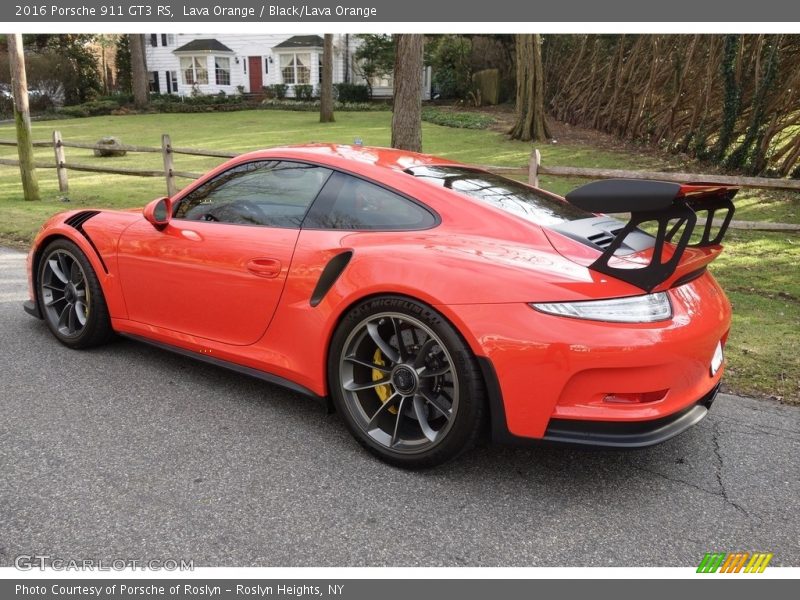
(264,267)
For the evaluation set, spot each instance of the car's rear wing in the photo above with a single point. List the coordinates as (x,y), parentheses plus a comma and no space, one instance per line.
(674,207)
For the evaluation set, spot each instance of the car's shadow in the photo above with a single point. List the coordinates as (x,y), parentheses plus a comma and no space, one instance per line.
(687,458)
(249,471)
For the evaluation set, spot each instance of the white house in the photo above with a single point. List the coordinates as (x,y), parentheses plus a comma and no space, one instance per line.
(181,63)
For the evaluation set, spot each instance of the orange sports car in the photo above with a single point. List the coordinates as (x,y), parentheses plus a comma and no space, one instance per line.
(427,301)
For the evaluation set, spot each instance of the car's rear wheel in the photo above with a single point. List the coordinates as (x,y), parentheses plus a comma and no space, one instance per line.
(71,298)
(405,382)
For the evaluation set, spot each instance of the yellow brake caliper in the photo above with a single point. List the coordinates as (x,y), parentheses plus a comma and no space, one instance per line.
(383,391)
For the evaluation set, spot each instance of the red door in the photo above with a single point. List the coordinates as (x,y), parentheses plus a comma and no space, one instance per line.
(256,74)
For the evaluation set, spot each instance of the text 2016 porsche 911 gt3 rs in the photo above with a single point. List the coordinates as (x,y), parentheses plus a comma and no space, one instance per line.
(427,299)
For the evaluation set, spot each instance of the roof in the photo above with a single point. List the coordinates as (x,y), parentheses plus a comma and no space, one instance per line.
(204,45)
(370,158)
(302,41)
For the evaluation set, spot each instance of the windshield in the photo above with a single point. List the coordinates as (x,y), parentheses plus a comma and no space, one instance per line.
(501,192)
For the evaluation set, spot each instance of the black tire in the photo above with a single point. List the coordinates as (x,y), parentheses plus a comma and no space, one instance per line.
(76,314)
(423,401)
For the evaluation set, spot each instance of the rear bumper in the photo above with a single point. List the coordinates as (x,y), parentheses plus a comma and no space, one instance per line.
(635,434)
(543,370)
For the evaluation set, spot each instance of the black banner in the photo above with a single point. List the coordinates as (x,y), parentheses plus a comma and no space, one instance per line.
(387,589)
(390,11)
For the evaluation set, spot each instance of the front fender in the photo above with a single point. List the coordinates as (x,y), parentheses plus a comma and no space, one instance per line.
(97,238)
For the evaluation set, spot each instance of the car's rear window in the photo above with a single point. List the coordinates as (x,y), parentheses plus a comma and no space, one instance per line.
(501,192)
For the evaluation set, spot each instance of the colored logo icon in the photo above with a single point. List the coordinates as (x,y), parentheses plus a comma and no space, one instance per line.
(734,562)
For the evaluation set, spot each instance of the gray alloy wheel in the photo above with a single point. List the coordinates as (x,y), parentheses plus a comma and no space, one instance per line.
(405,382)
(65,297)
(70,296)
(399,383)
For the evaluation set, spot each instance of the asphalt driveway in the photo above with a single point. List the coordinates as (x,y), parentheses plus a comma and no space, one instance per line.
(130,452)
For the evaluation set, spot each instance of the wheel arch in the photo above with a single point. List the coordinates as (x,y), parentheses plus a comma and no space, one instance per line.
(491,390)
(84,245)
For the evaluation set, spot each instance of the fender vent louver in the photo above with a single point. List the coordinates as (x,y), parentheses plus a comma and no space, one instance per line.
(76,221)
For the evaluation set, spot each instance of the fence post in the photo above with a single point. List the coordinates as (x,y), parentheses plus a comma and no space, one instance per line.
(533,167)
(61,171)
(169,173)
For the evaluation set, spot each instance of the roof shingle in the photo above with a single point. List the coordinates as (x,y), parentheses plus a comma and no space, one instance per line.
(204,45)
(302,41)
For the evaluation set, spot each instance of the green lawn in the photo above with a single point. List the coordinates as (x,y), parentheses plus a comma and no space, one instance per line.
(235,131)
(760,274)
(758,270)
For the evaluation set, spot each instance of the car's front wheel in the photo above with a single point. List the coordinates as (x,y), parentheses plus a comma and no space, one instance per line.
(405,382)
(71,298)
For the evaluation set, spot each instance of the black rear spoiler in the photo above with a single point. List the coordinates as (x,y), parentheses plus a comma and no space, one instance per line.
(673,206)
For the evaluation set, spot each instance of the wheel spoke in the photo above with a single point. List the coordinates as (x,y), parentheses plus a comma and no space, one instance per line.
(387,349)
(399,336)
(352,386)
(422,418)
(55,268)
(71,318)
(381,409)
(62,316)
(396,432)
(80,312)
(419,359)
(366,363)
(53,287)
(76,273)
(424,372)
(54,300)
(436,403)
(64,264)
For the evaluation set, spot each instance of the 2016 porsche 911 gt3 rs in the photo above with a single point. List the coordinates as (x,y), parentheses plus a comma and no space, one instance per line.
(426,299)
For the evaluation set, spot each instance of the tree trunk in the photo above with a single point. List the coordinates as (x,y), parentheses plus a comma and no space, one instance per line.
(530,124)
(22,117)
(564,87)
(326,87)
(141,87)
(407,109)
(731,104)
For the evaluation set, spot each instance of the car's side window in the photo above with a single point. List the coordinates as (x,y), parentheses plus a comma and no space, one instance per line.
(271,193)
(348,202)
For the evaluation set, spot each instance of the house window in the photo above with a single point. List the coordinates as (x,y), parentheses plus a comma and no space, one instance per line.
(167,39)
(154,40)
(172,81)
(296,68)
(194,69)
(153,81)
(386,81)
(222,70)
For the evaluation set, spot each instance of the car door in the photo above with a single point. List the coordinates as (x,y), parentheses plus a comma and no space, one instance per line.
(217,270)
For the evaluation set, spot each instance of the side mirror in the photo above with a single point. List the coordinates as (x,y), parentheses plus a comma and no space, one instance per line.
(158,212)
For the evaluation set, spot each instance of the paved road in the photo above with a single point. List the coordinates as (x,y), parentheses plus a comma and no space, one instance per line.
(131,452)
